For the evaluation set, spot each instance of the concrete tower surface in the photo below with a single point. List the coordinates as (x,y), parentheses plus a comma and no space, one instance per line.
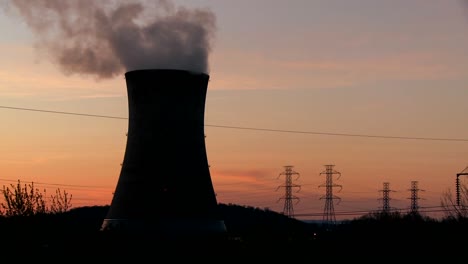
(165,184)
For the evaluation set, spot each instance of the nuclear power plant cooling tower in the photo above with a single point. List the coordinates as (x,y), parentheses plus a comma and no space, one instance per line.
(165,184)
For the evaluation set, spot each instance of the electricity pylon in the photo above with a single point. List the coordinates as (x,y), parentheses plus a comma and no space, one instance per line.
(329,211)
(288,197)
(414,207)
(386,198)
(457,183)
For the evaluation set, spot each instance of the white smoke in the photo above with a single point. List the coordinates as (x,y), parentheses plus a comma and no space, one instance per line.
(105,38)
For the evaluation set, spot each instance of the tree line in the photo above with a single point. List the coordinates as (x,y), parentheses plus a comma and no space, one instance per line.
(31,220)
(28,200)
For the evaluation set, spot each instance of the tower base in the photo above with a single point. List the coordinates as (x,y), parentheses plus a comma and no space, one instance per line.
(167,228)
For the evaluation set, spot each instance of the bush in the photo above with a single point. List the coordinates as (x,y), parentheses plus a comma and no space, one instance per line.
(27,200)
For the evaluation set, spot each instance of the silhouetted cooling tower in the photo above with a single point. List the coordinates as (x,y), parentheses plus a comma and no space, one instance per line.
(165,184)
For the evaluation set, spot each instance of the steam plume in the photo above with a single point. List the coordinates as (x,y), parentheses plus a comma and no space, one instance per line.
(106,38)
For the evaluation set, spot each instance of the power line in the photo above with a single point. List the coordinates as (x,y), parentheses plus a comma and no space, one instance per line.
(357,213)
(55,184)
(60,112)
(426,209)
(255,128)
(341,134)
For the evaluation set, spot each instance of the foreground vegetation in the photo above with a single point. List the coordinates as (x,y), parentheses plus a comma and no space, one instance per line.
(252,232)
(32,228)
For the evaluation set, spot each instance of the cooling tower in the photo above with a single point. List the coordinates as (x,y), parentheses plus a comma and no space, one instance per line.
(165,185)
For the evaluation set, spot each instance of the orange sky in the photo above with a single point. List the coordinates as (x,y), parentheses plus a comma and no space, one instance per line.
(299,66)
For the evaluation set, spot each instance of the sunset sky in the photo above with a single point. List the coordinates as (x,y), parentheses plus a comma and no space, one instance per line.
(377,88)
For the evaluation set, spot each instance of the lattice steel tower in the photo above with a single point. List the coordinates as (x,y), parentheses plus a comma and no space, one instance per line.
(329,211)
(288,186)
(386,197)
(457,184)
(414,207)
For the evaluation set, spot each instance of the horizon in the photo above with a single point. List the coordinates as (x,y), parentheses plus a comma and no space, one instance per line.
(376,88)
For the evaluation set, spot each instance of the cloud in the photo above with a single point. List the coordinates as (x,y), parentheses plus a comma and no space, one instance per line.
(240,179)
(243,70)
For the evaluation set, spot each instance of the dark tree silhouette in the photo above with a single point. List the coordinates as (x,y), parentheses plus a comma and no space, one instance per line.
(27,200)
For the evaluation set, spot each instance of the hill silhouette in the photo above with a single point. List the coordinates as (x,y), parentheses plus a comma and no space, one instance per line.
(252,232)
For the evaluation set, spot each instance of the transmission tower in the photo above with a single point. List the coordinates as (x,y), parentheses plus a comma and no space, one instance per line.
(414,208)
(288,186)
(329,211)
(386,197)
(457,183)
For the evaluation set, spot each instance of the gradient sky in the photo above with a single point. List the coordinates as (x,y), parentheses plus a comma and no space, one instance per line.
(363,67)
